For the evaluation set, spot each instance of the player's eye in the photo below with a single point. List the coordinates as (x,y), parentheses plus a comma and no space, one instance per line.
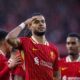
(36,21)
(43,21)
(71,43)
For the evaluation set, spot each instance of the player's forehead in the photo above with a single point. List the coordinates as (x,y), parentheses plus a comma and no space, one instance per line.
(72,39)
(38,17)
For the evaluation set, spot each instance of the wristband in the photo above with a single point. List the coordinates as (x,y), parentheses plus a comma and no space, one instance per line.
(22,25)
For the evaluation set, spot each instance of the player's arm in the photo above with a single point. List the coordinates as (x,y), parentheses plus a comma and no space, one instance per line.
(15,42)
(16,31)
(12,35)
(4,71)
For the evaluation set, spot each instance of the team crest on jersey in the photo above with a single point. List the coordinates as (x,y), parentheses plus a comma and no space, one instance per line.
(52,54)
(36,60)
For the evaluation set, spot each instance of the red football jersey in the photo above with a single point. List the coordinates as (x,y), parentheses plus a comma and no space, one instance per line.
(41,60)
(4,69)
(69,70)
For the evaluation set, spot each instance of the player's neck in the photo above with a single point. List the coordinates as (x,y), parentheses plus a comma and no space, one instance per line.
(74,58)
(39,39)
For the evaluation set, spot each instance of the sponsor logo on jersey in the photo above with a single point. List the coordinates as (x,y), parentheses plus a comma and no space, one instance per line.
(70,78)
(63,68)
(36,60)
(34,49)
(43,63)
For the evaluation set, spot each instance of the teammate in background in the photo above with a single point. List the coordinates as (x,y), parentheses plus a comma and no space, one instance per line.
(5,64)
(41,57)
(70,65)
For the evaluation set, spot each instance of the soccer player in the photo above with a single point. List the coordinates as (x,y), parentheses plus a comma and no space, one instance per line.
(70,65)
(5,64)
(41,57)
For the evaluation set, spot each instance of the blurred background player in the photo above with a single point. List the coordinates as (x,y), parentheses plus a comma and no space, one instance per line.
(18,73)
(70,65)
(5,64)
(41,57)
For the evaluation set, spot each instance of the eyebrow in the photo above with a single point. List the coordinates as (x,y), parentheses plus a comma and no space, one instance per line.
(71,42)
(34,19)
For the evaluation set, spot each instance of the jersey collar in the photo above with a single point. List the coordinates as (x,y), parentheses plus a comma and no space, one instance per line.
(68,59)
(36,42)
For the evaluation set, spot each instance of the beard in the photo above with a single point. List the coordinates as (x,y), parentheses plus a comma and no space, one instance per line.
(73,54)
(39,33)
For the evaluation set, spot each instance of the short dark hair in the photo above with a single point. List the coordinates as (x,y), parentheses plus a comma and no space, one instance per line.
(74,35)
(3,34)
(35,14)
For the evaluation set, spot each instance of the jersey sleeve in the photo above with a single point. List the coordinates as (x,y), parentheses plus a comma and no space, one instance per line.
(4,69)
(18,71)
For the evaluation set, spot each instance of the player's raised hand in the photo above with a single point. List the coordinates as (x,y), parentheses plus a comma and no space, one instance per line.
(28,22)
